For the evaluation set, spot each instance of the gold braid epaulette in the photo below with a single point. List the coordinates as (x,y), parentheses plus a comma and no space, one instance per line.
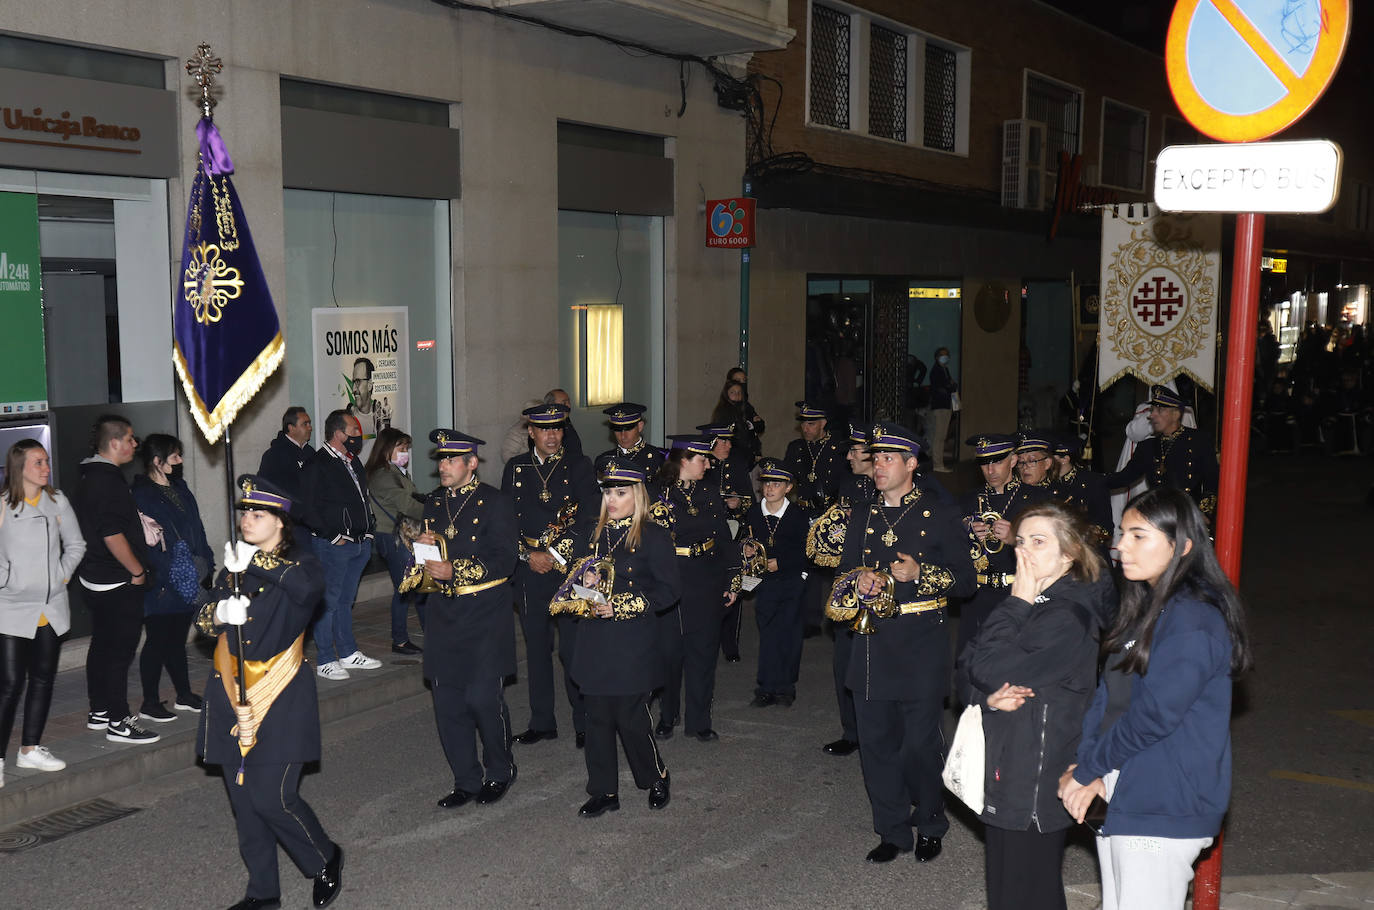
(662,514)
(825,538)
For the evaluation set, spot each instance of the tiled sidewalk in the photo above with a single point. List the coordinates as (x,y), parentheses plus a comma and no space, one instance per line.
(95,765)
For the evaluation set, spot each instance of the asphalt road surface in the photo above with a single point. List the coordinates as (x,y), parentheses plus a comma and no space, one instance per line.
(763,818)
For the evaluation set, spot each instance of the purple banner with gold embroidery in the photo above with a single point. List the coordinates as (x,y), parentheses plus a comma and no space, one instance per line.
(227,340)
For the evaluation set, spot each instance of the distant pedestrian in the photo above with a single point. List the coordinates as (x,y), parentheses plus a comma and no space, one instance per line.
(340,518)
(394,494)
(179,563)
(943,388)
(572,443)
(517,439)
(1157,738)
(733,407)
(114,575)
(40,547)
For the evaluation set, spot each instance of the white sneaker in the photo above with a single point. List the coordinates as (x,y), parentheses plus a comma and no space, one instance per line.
(41,759)
(360,661)
(332,670)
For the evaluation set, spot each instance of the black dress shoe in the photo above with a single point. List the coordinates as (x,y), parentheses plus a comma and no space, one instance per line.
(706,736)
(840,747)
(258,903)
(329,883)
(406,647)
(785,700)
(883,853)
(658,793)
(455,799)
(493,790)
(763,700)
(927,848)
(599,804)
(664,730)
(532,736)
(581,740)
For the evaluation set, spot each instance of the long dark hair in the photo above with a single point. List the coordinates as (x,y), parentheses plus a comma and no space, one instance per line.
(727,411)
(287,546)
(387,441)
(671,472)
(1195,573)
(14,472)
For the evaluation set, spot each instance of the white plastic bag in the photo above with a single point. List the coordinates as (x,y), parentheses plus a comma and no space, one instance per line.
(964,768)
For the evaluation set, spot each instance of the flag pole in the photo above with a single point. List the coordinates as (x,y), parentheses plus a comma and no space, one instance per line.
(203,67)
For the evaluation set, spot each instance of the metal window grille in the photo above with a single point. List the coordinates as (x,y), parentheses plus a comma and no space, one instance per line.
(829,67)
(940,108)
(887,83)
(1123,146)
(1061,110)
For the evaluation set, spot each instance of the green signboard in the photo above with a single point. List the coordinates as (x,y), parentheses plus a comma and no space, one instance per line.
(23,370)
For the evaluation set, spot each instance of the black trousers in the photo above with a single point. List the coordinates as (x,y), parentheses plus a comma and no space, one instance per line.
(538,626)
(464,712)
(729,629)
(164,645)
(1025,869)
(670,648)
(268,810)
(839,665)
(777,610)
(32,661)
(901,752)
(116,621)
(628,716)
(819,581)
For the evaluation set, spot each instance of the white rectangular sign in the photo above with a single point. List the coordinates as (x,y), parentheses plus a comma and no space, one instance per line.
(1269,177)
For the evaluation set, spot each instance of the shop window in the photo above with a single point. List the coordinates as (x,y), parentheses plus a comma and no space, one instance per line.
(1060,107)
(1124,132)
(81,62)
(610,297)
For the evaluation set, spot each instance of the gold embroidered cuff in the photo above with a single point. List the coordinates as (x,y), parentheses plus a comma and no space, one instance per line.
(935,580)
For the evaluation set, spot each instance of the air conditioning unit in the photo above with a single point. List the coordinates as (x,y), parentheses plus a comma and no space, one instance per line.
(1023,164)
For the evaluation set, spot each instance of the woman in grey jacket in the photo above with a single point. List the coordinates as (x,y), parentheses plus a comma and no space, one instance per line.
(395,497)
(40,547)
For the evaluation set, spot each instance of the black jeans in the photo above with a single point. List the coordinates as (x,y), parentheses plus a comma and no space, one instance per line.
(1024,869)
(35,660)
(116,620)
(164,646)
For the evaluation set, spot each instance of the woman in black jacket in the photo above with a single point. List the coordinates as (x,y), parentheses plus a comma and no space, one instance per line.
(1033,666)
(616,663)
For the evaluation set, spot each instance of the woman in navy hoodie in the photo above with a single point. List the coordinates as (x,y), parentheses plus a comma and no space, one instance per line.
(1156,741)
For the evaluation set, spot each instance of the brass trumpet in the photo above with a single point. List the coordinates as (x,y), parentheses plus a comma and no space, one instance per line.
(990,543)
(846,601)
(417,576)
(757,563)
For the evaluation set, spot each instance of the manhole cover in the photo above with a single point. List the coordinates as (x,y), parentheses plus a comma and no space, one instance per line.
(59,824)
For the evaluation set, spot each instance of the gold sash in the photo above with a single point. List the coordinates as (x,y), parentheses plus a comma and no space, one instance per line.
(264,680)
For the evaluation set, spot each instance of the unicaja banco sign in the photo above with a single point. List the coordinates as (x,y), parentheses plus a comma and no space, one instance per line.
(64,127)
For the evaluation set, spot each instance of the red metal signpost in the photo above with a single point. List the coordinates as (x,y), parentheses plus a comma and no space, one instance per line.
(1198,65)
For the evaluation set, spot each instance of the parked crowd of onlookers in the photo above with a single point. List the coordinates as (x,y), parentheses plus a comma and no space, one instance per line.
(1321,400)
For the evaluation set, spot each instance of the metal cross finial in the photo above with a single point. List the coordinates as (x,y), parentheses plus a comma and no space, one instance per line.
(204,66)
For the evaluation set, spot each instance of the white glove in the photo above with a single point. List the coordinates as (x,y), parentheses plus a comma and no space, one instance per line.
(238,556)
(232,611)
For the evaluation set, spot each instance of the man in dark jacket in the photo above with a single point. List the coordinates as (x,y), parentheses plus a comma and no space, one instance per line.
(335,508)
(285,459)
(113,577)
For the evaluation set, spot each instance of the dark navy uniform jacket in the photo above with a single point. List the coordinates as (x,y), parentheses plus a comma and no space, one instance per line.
(619,656)
(1183,459)
(643,456)
(1087,490)
(783,539)
(1014,497)
(471,637)
(907,656)
(282,594)
(568,478)
(695,514)
(825,459)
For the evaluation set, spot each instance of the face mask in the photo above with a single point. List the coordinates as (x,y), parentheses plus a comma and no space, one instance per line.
(400,459)
(173,472)
(943,359)
(354,445)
